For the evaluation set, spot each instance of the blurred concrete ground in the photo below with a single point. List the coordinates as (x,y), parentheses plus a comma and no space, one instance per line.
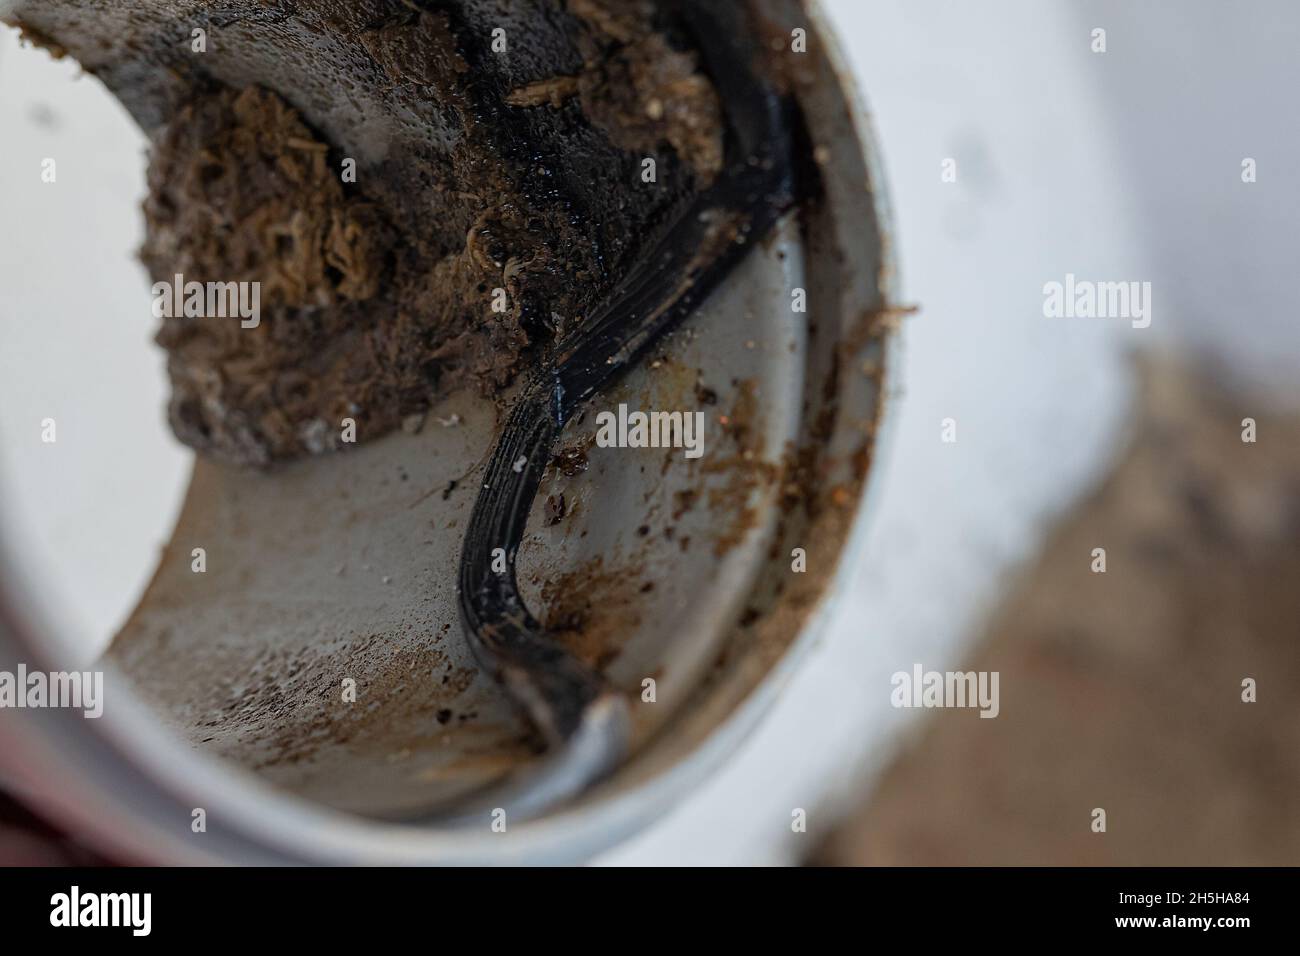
(1123,690)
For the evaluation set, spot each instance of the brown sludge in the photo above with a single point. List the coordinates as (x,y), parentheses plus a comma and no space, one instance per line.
(475,171)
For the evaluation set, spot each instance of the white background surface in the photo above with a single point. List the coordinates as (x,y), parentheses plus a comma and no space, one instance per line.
(1118,166)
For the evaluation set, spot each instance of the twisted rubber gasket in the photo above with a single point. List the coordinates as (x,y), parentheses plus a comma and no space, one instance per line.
(585,723)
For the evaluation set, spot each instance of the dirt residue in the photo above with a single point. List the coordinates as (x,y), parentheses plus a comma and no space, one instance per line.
(291,704)
(592,611)
(240,191)
(423,211)
(643,91)
(744,470)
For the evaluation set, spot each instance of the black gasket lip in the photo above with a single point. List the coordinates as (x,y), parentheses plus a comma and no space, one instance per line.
(584,722)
